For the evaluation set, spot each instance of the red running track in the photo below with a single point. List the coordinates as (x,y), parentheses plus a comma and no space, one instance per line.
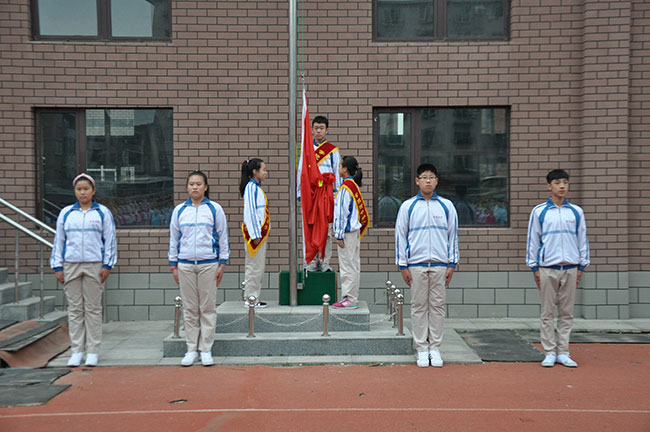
(610,391)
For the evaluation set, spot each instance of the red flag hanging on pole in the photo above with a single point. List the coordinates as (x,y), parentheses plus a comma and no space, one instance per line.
(316,193)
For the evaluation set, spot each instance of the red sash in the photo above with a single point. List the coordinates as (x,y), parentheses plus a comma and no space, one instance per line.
(323,151)
(364,218)
(266,228)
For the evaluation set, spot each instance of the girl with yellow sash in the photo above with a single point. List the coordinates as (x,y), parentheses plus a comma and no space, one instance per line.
(256,226)
(350,224)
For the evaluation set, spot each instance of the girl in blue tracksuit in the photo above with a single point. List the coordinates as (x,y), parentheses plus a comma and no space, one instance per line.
(84,253)
(198,253)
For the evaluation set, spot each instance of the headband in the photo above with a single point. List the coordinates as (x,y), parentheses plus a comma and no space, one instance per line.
(86,176)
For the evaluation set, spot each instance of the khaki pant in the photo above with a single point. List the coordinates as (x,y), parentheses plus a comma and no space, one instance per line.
(254,271)
(83,289)
(328,248)
(350,266)
(557,287)
(198,286)
(427,306)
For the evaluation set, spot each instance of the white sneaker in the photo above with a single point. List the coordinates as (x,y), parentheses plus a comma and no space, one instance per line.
(313,266)
(423,359)
(549,360)
(75,359)
(324,267)
(566,360)
(436,360)
(91,359)
(206,359)
(190,358)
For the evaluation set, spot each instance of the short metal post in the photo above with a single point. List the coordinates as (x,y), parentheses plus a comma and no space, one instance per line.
(388,285)
(16,259)
(400,314)
(243,291)
(391,301)
(326,314)
(42,290)
(252,300)
(396,292)
(178,303)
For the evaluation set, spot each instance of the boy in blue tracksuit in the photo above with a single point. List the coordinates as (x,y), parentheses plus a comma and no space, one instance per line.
(198,253)
(426,247)
(83,256)
(557,252)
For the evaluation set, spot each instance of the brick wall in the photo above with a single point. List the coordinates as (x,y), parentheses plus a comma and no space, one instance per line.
(575,74)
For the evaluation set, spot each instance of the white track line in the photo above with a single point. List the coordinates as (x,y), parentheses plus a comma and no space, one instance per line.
(316,410)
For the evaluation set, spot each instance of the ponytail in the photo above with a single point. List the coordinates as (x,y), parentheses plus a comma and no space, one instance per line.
(247,168)
(353,168)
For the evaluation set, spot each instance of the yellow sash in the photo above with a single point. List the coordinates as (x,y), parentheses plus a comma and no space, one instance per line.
(266,228)
(364,218)
(322,151)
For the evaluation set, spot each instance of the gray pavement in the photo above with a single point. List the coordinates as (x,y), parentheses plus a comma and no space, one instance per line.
(140,343)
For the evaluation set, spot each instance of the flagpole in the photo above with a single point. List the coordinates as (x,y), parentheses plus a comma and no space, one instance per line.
(293,229)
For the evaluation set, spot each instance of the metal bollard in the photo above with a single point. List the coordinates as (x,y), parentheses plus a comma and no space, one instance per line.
(243,291)
(391,302)
(400,314)
(177,316)
(388,285)
(396,292)
(252,300)
(326,313)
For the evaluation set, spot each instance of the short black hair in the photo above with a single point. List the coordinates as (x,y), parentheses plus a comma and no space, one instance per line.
(321,120)
(556,174)
(427,167)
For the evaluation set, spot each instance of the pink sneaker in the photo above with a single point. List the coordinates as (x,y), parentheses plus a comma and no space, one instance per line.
(345,304)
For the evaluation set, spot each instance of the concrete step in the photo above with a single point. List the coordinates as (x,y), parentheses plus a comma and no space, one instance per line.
(26,309)
(381,339)
(232,317)
(56,316)
(8,291)
(4,275)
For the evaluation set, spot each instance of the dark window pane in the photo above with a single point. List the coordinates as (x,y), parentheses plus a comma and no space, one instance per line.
(67,17)
(404,19)
(129,152)
(469,148)
(58,143)
(475,19)
(394,165)
(140,18)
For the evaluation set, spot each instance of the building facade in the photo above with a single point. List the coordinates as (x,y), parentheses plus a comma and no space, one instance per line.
(495,93)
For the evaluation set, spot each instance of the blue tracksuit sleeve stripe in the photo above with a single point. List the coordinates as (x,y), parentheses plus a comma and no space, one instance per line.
(174,237)
(110,241)
(401,233)
(221,225)
(534,239)
(452,232)
(56,258)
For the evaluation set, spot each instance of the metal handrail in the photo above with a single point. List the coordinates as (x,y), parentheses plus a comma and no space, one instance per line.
(26,231)
(27,216)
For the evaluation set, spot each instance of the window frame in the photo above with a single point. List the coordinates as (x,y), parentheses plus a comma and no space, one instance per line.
(440,26)
(103,27)
(81,146)
(416,152)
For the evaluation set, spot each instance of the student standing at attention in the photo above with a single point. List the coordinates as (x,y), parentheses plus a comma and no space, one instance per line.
(256,226)
(84,253)
(426,248)
(350,224)
(328,159)
(198,253)
(557,252)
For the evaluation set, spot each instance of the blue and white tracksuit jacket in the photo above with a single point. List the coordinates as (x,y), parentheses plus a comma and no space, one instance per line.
(557,237)
(84,236)
(198,235)
(426,233)
(254,209)
(330,165)
(346,215)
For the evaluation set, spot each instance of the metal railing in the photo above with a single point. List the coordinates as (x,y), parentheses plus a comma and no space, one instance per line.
(41,241)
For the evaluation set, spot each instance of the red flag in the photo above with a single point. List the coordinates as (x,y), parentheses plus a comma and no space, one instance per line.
(316,193)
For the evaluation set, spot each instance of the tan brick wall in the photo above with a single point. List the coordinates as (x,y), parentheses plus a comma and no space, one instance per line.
(575,74)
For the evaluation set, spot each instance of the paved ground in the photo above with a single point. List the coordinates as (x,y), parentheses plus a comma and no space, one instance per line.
(607,392)
(140,343)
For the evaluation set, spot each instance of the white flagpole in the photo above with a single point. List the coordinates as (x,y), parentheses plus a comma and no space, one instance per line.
(293,228)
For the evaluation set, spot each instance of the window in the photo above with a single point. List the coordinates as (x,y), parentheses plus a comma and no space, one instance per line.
(469,148)
(127,151)
(440,19)
(101,19)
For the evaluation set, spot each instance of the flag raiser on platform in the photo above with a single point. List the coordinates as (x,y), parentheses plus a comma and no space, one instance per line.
(316,193)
